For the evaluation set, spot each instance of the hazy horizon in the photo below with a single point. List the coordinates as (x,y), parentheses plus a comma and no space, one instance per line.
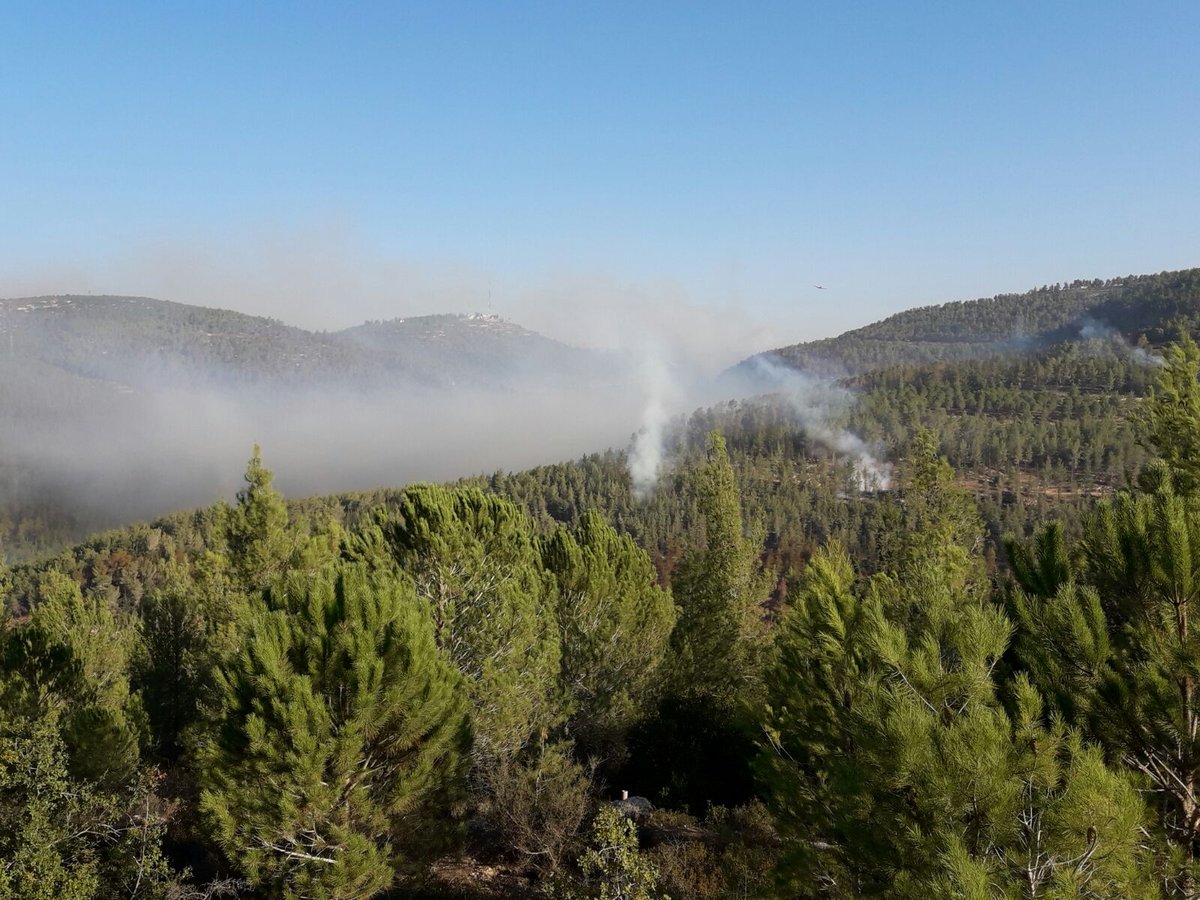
(700,163)
(687,185)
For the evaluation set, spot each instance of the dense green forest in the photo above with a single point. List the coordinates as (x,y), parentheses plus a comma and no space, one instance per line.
(442,691)
(975,680)
(1028,393)
(1152,307)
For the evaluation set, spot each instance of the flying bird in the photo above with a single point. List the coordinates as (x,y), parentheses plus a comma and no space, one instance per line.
(819,287)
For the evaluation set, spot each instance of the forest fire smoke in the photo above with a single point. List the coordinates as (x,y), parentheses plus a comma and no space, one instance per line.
(816,404)
(812,404)
(1092,330)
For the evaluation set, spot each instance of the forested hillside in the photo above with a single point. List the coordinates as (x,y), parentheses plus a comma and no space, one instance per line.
(1149,308)
(965,679)
(440,692)
(1028,394)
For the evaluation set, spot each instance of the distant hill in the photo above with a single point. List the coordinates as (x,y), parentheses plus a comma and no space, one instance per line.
(477,348)
(119,407)
(124,343)
(115,408)
(1141,308)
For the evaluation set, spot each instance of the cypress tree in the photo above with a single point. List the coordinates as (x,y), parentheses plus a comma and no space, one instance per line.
(338,721)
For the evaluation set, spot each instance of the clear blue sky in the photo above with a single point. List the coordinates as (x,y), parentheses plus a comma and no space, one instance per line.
(737,154)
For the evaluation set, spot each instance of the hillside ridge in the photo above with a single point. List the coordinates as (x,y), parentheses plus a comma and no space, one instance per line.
(147,342)
(1150,309)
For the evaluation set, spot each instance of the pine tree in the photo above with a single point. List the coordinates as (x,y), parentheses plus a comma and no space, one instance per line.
(697,751)
(1118,650)
(474,561)
(1111,635)
(260,542)
(189,630)
(895,768)
(615,622)
(718,637)
(1170,420)
(339,720)
(898,763)
(937,523)
(73,657)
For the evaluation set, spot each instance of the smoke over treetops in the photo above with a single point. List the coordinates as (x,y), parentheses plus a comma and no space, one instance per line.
(133,407)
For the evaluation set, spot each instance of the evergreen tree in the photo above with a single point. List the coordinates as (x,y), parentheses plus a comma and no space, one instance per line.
(339,720)
(615,622)
(1112,636)
(189,629)
(698,750)
(719,634)
(1120,652)
(63,839)
(1170,420)
(474,561)
(937,524)
(73,657)
(899,765)
(260,542)
(894,768)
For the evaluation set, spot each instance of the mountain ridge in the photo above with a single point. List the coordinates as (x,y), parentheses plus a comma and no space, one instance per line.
(146,342)
(1151,309)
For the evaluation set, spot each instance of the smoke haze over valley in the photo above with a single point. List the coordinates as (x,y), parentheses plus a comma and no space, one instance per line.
(135,407)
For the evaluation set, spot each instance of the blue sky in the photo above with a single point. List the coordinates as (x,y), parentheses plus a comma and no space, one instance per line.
(326,163)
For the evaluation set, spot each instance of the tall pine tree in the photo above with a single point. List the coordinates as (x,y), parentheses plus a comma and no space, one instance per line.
(260,542)
(899,764)
(1113,638)
(338,721)
(615,622)
(475,563)
(719,635)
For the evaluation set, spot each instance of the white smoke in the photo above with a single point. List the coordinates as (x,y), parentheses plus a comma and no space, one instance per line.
(646,451)
(813,404)
(1092,330)
(816,404)
(1144,357)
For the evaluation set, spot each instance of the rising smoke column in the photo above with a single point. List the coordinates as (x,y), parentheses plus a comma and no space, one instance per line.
(648,447)
(815,405)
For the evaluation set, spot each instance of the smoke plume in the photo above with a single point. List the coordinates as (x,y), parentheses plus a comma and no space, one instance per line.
(816,404)
(1093,330)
